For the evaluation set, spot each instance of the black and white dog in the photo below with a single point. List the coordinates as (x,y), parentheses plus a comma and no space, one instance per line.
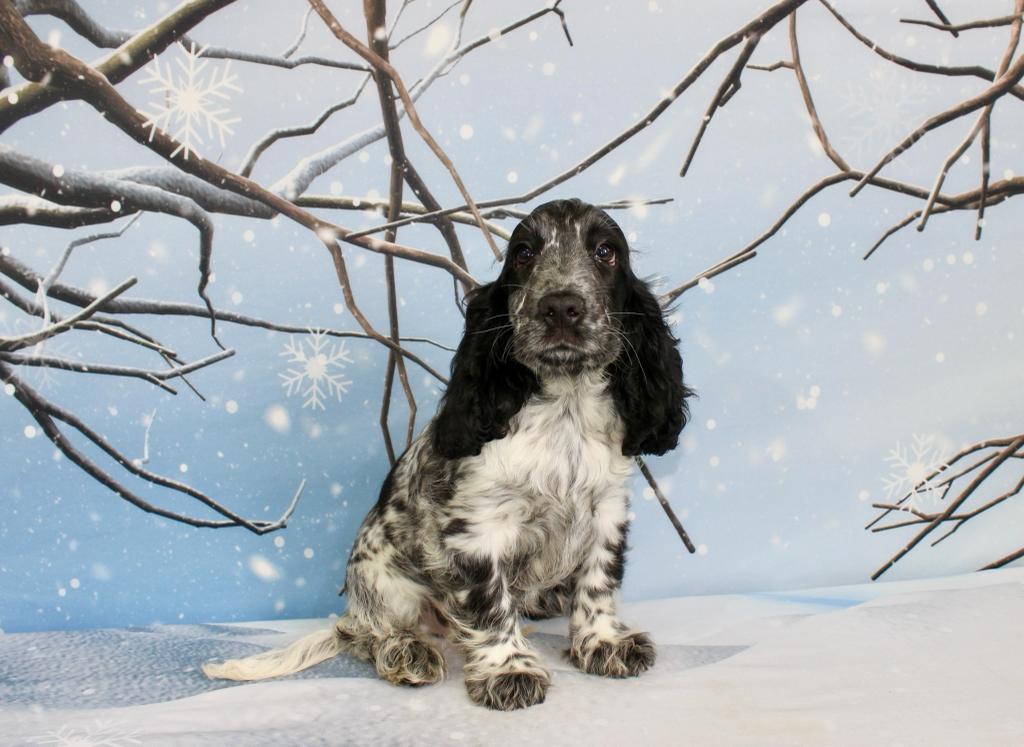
(512,501)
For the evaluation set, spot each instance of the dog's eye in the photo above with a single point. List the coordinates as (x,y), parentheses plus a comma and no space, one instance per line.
(605,253)
(523,254)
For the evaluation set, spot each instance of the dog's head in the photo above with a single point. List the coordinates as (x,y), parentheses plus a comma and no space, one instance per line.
(564,273)
(566,303)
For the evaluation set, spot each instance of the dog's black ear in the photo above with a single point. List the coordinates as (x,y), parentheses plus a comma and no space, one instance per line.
(647,378)
(487,386)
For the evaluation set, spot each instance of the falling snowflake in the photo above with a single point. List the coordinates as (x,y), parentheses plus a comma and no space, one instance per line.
(880,111)
(314,377)
(189,99)
(100,734)
(914,471)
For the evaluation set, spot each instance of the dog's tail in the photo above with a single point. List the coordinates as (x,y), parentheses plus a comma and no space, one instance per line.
(305,652)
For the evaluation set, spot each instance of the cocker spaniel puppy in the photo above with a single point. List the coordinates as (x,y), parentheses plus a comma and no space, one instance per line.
(513,502)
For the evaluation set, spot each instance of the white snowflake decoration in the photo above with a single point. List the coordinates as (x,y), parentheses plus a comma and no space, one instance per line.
(880,111)
(189,100)
(101,733)
(40,377)
(318,373)
(915,467)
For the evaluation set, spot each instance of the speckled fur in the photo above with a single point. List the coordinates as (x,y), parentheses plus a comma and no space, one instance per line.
(528,518)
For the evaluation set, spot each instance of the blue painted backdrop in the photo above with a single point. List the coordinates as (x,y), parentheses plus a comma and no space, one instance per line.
(812,364)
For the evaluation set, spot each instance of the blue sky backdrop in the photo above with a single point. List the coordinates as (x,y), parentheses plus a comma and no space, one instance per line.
(812,365)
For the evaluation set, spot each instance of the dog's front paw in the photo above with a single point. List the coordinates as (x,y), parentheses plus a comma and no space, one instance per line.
(627,656)
(508,691)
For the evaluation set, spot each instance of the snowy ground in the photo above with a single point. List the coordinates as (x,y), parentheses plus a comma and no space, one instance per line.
(926,662)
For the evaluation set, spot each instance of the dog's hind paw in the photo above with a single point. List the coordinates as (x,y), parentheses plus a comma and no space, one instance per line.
(407,660)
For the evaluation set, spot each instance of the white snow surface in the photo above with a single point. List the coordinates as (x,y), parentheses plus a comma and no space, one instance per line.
(931,662)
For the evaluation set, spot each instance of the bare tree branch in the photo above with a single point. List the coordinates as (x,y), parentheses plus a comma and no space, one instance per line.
(971,70)
(77,79)
(761,23)
(987,23)
(375,13)
(665,505)
(381,65)
(997,89)
(74,16)
(45,413)
(420,29)
(194,189)
(934,5)
(154,377)
(729,85)
(1002,450)
(983,124)
(778,65)
(10,344)
(260,146)
(298,179)
(28,279)
(33,97)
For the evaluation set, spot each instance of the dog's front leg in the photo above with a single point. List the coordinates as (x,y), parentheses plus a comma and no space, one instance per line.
(502,672)
(599,643)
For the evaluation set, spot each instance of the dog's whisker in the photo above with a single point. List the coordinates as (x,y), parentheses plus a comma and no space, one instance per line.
(492,317)
(490,329)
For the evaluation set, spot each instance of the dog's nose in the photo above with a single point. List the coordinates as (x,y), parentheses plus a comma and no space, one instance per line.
(562,309)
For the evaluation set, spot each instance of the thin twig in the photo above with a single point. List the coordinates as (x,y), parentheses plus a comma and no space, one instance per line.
(9,344)
(987,23)
(45,413)
(978,480)
(665,505)
(729,85)
(934,5)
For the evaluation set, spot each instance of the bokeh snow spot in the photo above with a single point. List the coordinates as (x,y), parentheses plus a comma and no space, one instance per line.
(263,569)
(277,418)
(874,343)
(785,314)
(438,39)
(777,450)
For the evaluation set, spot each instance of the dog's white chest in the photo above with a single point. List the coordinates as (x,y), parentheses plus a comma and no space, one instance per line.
(544,490)
(564,444)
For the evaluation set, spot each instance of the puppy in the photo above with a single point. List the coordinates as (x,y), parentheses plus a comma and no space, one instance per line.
(512,501)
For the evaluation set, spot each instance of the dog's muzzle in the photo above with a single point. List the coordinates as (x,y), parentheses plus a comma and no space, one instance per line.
(562,313)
